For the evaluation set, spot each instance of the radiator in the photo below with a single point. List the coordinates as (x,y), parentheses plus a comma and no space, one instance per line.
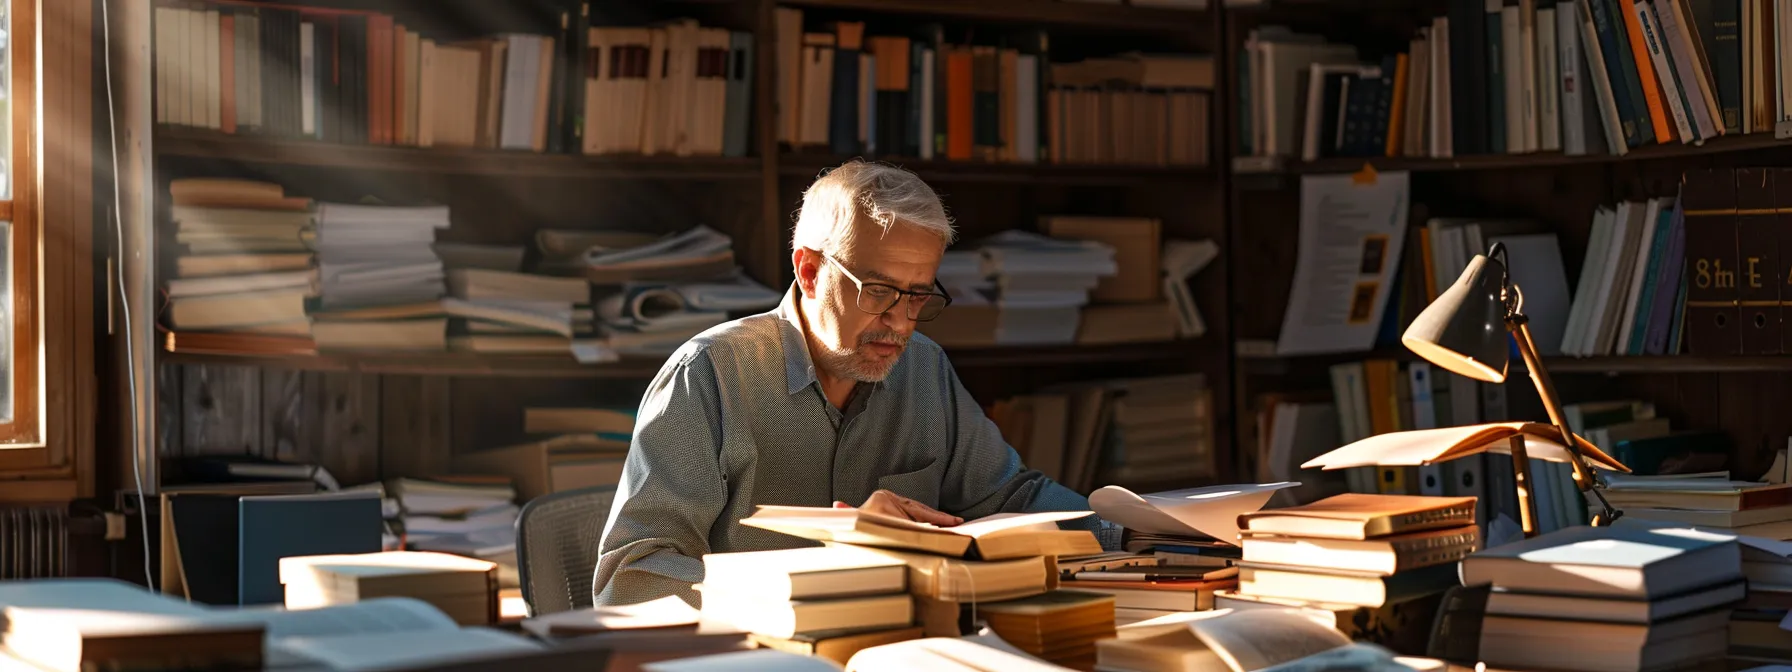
(34,543)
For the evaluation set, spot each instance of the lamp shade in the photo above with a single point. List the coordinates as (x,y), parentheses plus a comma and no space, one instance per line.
(1464,330)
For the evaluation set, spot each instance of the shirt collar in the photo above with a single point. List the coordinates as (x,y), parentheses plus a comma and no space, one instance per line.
(799,369)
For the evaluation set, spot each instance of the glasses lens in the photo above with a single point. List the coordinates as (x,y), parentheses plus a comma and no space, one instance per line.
(931,305)
(876,299)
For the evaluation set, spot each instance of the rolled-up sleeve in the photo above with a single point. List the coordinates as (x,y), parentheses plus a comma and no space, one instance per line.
(985,475)
(671,492)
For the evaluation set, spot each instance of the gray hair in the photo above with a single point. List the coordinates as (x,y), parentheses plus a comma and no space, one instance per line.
(878,192)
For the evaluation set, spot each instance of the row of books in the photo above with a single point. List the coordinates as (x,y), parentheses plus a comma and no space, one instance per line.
(359,77)
(924,96)
(1132,430)
(1579,76)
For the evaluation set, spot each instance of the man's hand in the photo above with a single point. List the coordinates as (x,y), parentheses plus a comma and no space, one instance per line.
(892,504)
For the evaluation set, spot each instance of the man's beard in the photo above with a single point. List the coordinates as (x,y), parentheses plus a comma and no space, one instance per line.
(850,363)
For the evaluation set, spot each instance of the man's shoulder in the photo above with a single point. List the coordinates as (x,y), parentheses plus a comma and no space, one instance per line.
(751,336)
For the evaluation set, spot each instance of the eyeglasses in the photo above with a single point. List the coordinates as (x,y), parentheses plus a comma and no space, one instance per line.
(877,298)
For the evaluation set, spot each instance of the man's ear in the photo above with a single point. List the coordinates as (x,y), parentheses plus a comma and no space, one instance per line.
(807,263)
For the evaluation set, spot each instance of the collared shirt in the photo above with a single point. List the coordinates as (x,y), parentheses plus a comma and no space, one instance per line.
(737,418)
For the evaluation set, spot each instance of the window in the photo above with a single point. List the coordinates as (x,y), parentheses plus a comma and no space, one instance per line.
(48,387)
(20,386)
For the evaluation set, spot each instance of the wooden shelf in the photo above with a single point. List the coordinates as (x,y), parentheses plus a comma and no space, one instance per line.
(808,166)
(555,366)
(200,144)
(1036,12)
(433,364)
(1611,364)
(1646,364)
(1738,143)
(1071,354)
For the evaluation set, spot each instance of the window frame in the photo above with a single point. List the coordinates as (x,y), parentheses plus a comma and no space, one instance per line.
(25,430)
(48,454)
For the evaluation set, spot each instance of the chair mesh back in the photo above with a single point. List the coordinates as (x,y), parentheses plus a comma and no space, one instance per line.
(557,547)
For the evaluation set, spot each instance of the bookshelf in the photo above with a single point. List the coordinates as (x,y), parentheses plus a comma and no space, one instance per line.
(1556,191)
(1247,204)
(401,414)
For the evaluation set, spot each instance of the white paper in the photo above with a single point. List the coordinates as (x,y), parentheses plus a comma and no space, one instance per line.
(1210,511)
(1351,235)
(414,649)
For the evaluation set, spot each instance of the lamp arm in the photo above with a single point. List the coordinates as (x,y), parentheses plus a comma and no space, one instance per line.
(1584,478)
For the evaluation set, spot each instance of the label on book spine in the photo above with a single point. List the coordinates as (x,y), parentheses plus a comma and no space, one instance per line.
(1757,242)
(1712,315)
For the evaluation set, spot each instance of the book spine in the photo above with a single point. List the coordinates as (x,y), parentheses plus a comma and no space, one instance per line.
(1661,313)
(1712,316)
(1782,269)
(1496,78)
(1468,77)
(1757,263)
(1718,24)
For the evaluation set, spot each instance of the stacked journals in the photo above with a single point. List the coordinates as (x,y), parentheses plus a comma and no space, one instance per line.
(377,263)
(655,293)
(1354,549)
(477,521)
(1608,598)
(1027,289)
(244,276)
(818,598)
(465,589)
(505,312)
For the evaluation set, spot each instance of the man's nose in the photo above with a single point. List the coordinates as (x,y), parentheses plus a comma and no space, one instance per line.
(896,319)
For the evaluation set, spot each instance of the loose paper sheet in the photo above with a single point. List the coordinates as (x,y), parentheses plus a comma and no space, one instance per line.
(1351,235)
(822,518)
(1210,511)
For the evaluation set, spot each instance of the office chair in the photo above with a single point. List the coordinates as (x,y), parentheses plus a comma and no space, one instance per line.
(557,539)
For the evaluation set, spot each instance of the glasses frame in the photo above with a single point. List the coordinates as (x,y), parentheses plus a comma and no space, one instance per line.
(902,295)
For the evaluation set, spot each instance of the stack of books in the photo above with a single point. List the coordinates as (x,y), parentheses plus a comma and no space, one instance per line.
(950,569)
(1042,284)
(508,312)
(466,589)
(1061,626)
(1628,597)
(655,293)
(1355,549)
(1709,500)
(381,279)
(477,520)
(1023,289)
(1147,592)
(836,599)
(244,274)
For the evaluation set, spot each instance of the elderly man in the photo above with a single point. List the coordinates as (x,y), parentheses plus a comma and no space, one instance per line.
(831,399)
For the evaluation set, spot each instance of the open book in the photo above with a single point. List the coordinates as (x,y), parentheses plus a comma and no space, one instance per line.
(997,537)
(1432,446)
(1210,511)
(1251,639)
(68,624)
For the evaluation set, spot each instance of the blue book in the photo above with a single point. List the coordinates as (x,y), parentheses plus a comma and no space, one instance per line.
(1632,560)
(282,526)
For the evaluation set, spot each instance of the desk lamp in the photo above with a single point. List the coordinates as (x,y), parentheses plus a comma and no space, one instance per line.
(1465,332)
